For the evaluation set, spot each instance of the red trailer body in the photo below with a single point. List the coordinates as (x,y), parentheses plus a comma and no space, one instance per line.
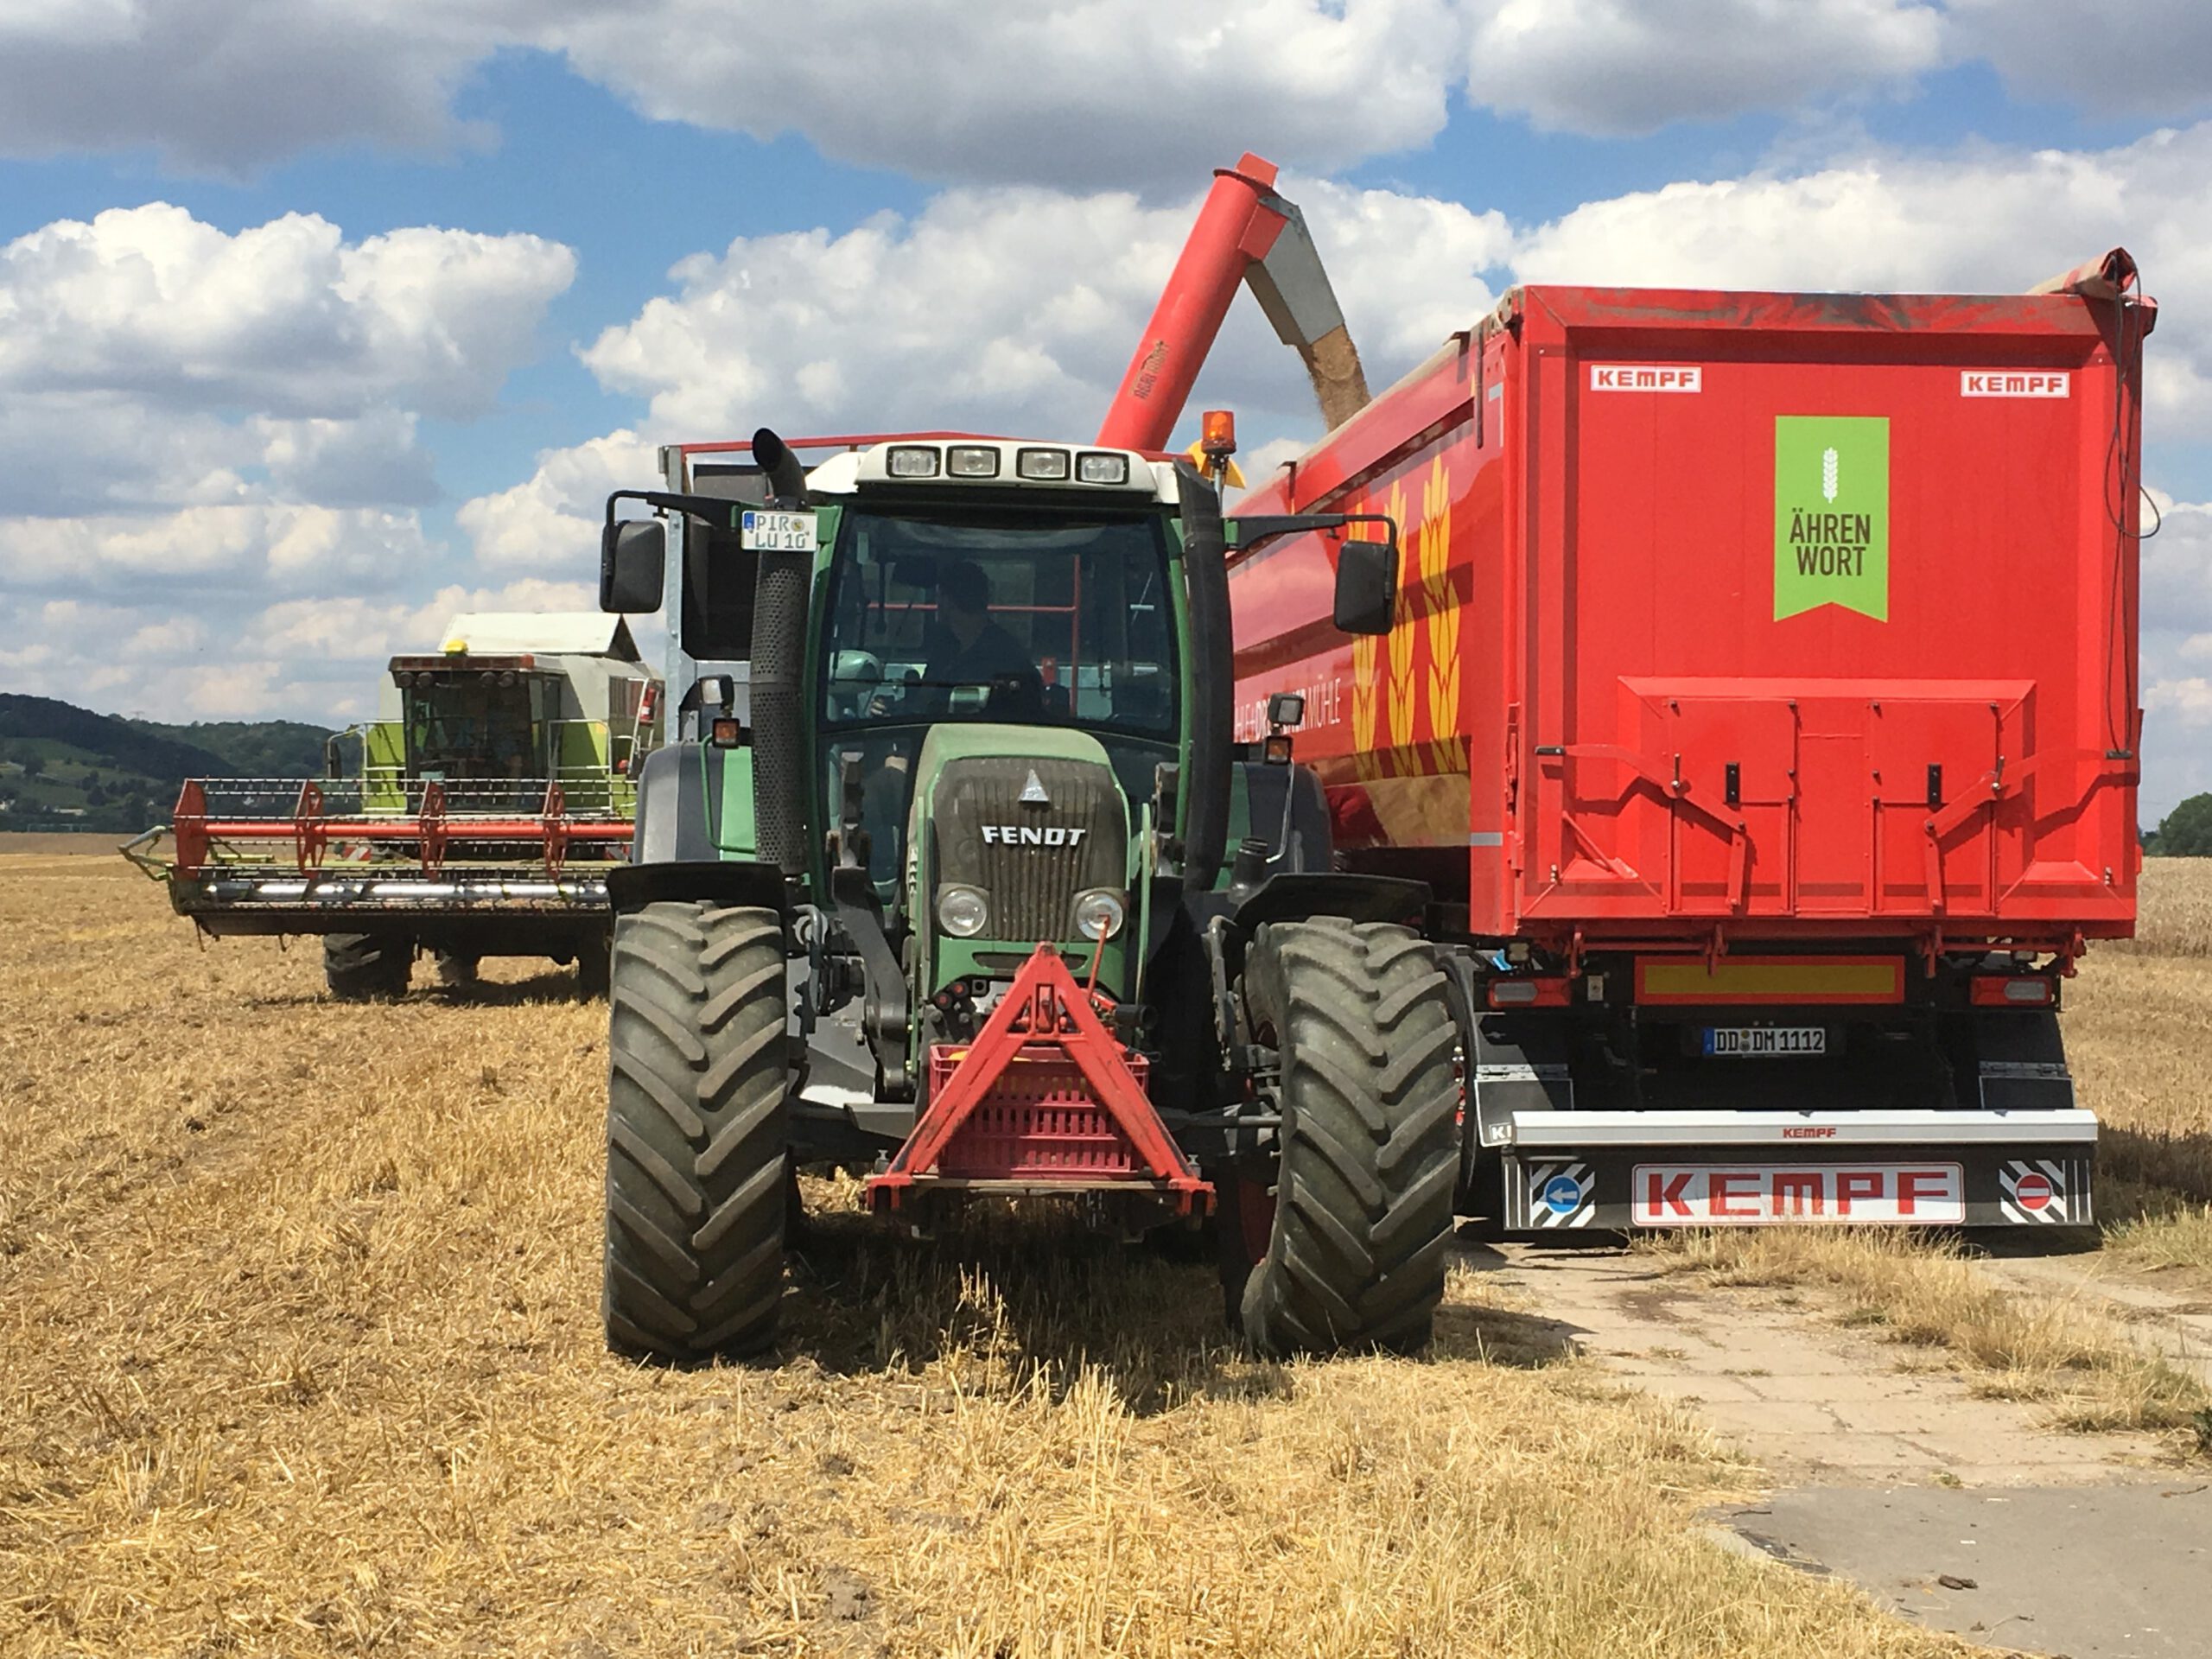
(1753,651)
(1712,605)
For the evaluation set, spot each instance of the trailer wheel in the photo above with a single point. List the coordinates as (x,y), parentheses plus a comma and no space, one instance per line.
(367,967)
(697,1142)
(1355,1254)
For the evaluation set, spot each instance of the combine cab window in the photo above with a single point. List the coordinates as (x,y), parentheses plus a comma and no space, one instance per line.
(987,618)
(471,726)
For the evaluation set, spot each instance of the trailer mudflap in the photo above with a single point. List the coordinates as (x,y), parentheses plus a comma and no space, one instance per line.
(1044,1100)
(1639,1170)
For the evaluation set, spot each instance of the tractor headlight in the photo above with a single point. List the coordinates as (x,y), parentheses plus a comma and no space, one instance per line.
(1099,914)
(963,912)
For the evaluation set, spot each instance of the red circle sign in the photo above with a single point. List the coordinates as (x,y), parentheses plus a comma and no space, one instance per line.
(2033,1191)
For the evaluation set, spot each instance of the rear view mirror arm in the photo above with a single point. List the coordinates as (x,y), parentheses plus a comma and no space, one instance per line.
(712,508)
(1256,530)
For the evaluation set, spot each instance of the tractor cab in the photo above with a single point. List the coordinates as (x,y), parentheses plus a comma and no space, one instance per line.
(998,682)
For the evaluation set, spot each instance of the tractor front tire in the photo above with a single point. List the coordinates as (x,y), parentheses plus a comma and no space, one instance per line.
(367,967)
(697,1134)
(1355,1254)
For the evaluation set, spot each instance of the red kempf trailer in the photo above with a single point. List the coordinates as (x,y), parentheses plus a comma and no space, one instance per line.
(1761,710)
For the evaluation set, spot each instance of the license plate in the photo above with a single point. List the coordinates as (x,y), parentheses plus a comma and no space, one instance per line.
(777,532)
(1763,1042)
(1764,1195)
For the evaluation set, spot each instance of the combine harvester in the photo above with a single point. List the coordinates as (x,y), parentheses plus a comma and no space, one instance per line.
(957,873)
(494,792)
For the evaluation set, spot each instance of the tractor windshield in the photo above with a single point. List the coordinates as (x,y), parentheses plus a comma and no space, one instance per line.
(985,617)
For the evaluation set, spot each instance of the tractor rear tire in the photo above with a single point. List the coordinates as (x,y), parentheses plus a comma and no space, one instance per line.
(367,967)
(1355,1255)
(698,1133)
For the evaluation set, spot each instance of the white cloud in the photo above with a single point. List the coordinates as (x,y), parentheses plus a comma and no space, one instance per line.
(285,318)
(224,85)
(1013,310)
(1008,308)
(216,552)
(550,520)
(353,630)
(188,416)
(2159,65)
(1069,91)
(150,361)
(1616,67)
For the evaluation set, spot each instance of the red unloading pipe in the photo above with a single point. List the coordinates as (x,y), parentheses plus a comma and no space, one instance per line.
(1235,226)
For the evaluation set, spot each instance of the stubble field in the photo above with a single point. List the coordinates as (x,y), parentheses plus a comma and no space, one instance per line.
(300,1354)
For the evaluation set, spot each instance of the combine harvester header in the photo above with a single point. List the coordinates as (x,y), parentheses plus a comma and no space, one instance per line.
(494,791)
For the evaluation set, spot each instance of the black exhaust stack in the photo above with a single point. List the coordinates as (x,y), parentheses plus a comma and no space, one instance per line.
(780,594)
(1205,581)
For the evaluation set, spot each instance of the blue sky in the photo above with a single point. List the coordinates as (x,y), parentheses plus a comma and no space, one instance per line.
(244,456)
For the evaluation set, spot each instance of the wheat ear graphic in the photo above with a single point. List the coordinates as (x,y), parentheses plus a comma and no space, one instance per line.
(1828,473)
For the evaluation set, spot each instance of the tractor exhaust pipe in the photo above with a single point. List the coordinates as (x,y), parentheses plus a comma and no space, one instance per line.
(1205,579)
(780,592)
(786,478)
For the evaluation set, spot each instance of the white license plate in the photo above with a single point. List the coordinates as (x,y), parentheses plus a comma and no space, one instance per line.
(1765,1195)
(1762,1042)
(777,532)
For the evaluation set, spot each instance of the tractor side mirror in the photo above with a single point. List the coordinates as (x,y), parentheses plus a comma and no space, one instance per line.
(632,560)
(1367,586)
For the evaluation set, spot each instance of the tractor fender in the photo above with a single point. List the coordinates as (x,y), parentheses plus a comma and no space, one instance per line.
(679,800)
(1295,895)
(724,882)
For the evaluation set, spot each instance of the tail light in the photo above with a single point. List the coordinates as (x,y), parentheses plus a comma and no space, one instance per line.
(1530,993)
(2029,991)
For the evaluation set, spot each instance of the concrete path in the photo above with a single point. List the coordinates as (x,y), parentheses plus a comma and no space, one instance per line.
(1965,1513)
(1813,1402)
(2078,1570)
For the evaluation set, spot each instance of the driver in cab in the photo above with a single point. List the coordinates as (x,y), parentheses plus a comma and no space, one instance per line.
(970,647)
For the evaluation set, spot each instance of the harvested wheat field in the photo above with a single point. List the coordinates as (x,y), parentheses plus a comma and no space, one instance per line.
(301,1356)
(2138,1036)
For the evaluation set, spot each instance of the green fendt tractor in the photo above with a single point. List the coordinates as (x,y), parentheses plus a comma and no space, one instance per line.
(955,876)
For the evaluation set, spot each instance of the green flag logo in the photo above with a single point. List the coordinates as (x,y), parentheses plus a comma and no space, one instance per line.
(1831,513)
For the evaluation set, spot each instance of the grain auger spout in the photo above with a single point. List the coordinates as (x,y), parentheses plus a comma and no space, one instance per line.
(1246,233)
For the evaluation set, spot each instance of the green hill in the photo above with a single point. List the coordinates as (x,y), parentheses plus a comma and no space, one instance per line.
(63,767)
(252,748)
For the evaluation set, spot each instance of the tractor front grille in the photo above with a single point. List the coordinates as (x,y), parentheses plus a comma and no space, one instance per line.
(1032,857)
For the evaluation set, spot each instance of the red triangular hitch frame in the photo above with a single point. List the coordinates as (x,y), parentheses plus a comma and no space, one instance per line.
(1045,1024)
